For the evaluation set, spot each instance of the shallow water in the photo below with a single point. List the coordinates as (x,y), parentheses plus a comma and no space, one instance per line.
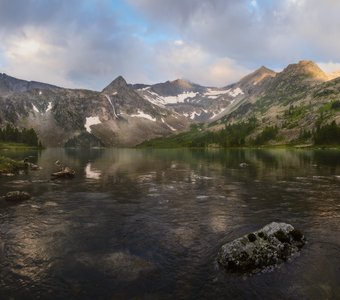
(147,224)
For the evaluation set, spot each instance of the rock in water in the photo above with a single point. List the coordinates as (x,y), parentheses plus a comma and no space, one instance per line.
(17,196)
(64,173)
(261,250)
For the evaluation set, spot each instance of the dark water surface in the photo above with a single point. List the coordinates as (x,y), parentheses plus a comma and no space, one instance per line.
(147,224)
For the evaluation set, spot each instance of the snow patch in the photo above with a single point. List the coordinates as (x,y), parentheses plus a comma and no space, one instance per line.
(91,121)
(141,114)
(144,89)
(40,93)
(236,92)
(49,107)
(213,94)
(154,100)
(216,113)
(179,98)
(35,108)
(172,128)
(113,107)
(194,114)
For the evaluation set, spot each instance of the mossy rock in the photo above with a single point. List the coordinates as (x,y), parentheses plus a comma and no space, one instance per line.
(282,236)
(261,250)
(296,234)
(251,237)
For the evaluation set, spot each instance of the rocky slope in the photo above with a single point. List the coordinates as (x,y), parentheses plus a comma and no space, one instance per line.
(195,102)
(296,99)
(291,103)
(300,105)
(10,84)
(204,104)
(117,116)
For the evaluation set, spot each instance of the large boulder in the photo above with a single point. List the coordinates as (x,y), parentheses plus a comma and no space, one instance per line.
(261,250)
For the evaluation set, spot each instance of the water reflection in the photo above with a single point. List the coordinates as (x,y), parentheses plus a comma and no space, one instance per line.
(91,173)
(148,223)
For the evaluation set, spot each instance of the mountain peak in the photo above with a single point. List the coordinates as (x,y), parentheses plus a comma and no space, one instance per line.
(182,83)
(264,69)
(257,76)
(306,68)
(9,84)
(115,85)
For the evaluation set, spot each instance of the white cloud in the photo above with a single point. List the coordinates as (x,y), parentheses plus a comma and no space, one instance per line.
(191,62)
(331,68)
(253,3)
(87,43)
(28,56)
(276,32)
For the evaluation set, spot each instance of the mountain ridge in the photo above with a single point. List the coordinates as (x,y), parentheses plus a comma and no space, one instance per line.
(125,114)
(9,84)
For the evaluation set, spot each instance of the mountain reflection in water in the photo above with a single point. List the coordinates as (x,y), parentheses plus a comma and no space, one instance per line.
(147,224)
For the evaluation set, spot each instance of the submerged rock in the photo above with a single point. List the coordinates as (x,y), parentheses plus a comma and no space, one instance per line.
(65,173)
(30,165)
(16,196)
(121,265)
(244,165)
(7,174)
(268,247)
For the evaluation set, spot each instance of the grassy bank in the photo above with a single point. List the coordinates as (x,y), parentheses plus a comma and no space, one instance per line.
(10,146)
(8,165)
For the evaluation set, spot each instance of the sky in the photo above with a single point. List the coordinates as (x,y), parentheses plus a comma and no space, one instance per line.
(88,43)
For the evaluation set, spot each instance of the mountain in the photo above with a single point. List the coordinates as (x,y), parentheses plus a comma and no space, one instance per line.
(10,84)
(196,102)
(285,107)
(246,88)
(117,116)
(254,82)
(296,105)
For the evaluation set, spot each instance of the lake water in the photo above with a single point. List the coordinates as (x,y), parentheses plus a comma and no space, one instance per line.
(147,224)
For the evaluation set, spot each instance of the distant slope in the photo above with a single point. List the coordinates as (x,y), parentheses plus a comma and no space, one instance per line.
(117,116)
(10,84)
(263,107)
(199,103)
(296,100)
(289,107)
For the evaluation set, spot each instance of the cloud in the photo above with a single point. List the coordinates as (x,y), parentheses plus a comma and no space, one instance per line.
(69,43)
(87,43)
(69,51)
(330,68)
(253,32)
(190,61)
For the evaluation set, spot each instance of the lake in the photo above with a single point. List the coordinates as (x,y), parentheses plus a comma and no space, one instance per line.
(147,224)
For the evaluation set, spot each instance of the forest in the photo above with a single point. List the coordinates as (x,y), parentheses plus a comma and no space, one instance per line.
(25,136)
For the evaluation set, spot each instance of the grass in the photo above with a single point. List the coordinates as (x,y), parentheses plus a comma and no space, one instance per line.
(8,145)
(8,165)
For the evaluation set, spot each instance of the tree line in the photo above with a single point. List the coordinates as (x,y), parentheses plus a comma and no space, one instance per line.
(15,135)
(328,134)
